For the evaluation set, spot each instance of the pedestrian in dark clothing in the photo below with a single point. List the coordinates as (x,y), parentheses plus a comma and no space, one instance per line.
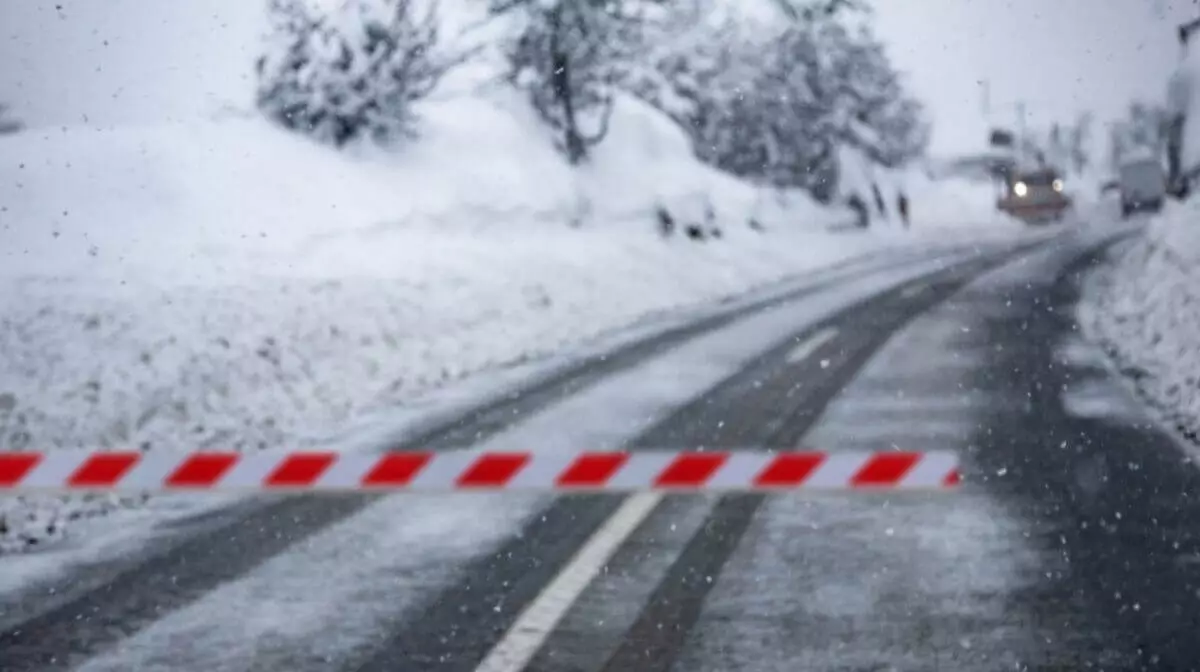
(859,207)
(902,207)
(879,204)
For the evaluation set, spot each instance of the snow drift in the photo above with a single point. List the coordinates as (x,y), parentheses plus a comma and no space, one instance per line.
(1145,309)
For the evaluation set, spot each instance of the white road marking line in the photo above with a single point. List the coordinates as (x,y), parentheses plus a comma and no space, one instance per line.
(531,629)
(910,292)
(810,346)
(518,646)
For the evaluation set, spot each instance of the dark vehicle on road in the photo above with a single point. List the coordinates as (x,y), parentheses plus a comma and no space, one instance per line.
(1035,196)
(1143,185)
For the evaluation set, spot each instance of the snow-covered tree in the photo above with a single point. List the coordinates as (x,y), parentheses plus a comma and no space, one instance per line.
(774,102)
(286,73)
(872,110)
(353,73)
(843,89)
(799,91)
(725,83)
(565,55)
(815,10)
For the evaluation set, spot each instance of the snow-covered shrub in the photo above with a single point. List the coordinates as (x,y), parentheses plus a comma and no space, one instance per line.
(565,55)
(350,74)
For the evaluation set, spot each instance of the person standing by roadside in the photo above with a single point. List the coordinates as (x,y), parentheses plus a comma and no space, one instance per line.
(902,207)
(879,205)
(862,214)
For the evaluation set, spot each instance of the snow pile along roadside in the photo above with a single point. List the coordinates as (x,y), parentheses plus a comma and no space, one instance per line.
(1144,308)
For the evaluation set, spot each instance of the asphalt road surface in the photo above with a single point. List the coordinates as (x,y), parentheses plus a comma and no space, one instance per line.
(1073,543)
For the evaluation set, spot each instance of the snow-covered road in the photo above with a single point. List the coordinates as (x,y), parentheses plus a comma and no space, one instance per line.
(922,355)
(584,403)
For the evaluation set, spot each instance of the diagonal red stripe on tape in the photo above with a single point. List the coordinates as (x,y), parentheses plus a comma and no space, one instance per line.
(14,467)
(789,470)
(493,470)
(201,470)
(300,469)
(952,479)
(885,469)
(396,469)
(592,470)
(103,469)
(691,470)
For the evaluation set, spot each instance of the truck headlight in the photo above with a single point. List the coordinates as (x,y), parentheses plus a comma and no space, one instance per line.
(1058,186)
(1020,189)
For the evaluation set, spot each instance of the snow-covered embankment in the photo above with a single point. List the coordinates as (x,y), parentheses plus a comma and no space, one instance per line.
(1144,308)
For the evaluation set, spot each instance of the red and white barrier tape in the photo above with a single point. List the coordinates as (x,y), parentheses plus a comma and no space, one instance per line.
(429,471)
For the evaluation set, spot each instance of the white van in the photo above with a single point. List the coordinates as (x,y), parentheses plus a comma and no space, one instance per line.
(1143,185)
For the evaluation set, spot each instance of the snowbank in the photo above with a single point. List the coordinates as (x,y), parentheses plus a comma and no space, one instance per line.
(1145,309)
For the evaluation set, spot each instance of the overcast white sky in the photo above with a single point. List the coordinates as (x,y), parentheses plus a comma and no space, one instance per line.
(1060,56)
